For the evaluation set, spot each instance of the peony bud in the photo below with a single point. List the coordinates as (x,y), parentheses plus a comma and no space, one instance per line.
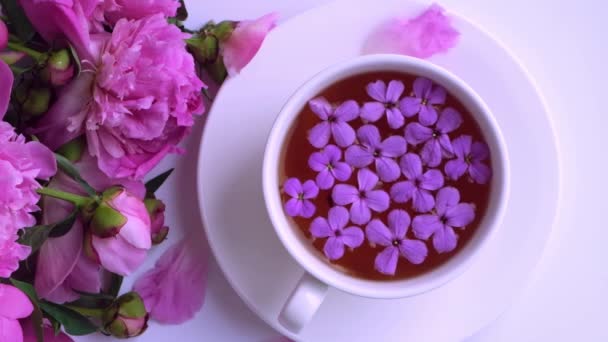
(59,69)
(3,35)
(126,317)
(37,101)
(204,48)
(156,209)
(120,232)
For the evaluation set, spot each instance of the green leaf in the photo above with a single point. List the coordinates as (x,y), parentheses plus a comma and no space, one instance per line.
(37,235)
(115,284)
(92,300)
(155,183)
(74,323)
(66,166)
(18,21)
(36,316)
(64,227)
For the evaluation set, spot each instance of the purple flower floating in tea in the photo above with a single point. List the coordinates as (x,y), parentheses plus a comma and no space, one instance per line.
(469,159)
(418,185)
(426,96)
(299,204)
(394,239)
(334,228)
(329,167)
(436,140)
(373,149)
(334,122)
(387,102)
(449,214)
(364,199)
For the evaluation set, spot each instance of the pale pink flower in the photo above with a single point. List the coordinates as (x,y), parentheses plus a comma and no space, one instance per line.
(245,41)
(174,290)
(15,305)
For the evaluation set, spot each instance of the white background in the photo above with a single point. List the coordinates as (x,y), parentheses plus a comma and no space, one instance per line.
(564,45)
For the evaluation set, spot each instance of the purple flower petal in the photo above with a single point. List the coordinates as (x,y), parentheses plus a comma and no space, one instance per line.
(325,179)
(386,261)
(415,133)
(394,91)
(428,115)
(479,151)
(437,95)
(372,111)
(423,201)
(411,166)
(377,233)
(445,240)
(319,134)
(410,106)
(480,172)
(352,237)
(403,191)
(431,180)
(321,107)
(344,194)
(449,120)
(387,169)
(337,218)
(455,168)
(358,156)
(413,250)
(334,248)
(422,87)
(366,179)
(377,200)
(347,111)
(319,228)
(395,118)
(310,189)
(333,153)
(431,153)
(318,161)
(343,133)
(446,197)
(369,135)
(359,212)
(426,225)
(399,222)
(342,171)
(460,215)
(293,207)
(394,146)
(308,209)
(292,187)
(377,91)
(461,146)
(446,144)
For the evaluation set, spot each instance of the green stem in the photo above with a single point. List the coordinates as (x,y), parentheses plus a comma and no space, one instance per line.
(39,56)
(17,70)
(207,95)
(95,313)
(66,196)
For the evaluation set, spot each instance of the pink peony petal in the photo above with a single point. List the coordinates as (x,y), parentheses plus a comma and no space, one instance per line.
(117,255)
(15,303)
(29,335)
(6,84)
(10,330)
(174,290)
(3,35)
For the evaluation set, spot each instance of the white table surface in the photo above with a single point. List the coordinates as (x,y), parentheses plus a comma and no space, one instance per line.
(565,48)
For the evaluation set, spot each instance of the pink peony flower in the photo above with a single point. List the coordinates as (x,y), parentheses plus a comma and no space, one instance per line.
(29,334)
(115,10)
(245,41)
(6,84)
(136,104)
(15,305)
(3,35)
(423,36)
(174,290)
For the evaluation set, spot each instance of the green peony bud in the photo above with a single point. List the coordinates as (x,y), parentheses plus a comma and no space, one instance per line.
(106,220)
(223,30)
(205,49)
(126,317)
(37,101)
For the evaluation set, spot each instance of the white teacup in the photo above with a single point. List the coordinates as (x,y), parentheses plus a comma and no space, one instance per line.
(310,291)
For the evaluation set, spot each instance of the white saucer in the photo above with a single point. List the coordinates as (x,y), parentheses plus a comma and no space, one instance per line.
(239,231)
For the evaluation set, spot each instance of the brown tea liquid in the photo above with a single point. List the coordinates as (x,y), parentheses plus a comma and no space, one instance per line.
(360,261)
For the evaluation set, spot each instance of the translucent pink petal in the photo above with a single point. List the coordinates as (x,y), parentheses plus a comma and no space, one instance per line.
(423,201)
(428,34)
(394,91)
(366,179)
(319,228)
(479,151)
(360,213)
(369,135)
(308,209)
(445,240)
(395,118)
(343,133)
(446,197)
(319,134)
(394,146)
(431,153)
(347,111)
(427,115)
(293,207)
(310,189)
(372,111)
(460,215)
(333,153)
(293,187)
(321,107)
(399,222)
(318,161)
(377,200)
(6,84)
(411,166)
(377,233)
(377,91)
(410,106)
(352,237)
(402,192)
(480,172)
(15,303)
(449,120)
(334,248)
(386,261)
(415,133)
(431,180)
(426,225)
(455,168)
(344,194)
(413,250)
(358,156)
(325,179)
(117,255)
(337,218)
(174,290)
(461,146)
(10,330)
(342,171)
(388,169)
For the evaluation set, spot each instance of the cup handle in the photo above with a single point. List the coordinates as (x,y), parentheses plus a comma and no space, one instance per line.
(303,302)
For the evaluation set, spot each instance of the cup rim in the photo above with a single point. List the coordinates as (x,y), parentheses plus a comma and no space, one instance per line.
(294,241)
